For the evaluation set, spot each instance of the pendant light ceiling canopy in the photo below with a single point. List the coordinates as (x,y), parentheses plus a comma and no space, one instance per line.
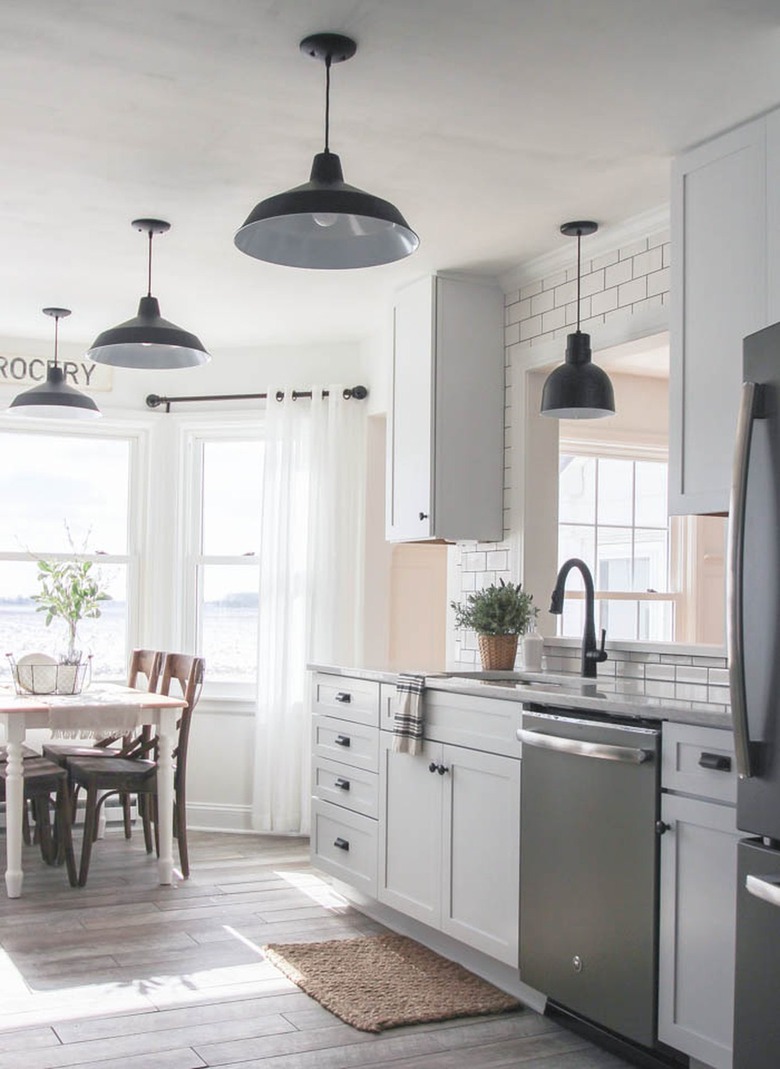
(148,341)
(578,389)
(326,224)
(54,399)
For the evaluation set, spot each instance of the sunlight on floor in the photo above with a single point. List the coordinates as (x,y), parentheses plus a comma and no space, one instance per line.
(316,889)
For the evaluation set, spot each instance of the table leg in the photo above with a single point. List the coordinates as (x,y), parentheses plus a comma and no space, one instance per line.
(167,739)
(14,802)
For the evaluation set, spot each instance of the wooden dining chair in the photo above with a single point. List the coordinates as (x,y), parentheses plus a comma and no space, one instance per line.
(136,771)
(42,780)
(143,674)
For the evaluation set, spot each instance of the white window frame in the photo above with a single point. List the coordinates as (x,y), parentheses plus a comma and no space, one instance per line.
(136,434)
(193,434)
(635,452)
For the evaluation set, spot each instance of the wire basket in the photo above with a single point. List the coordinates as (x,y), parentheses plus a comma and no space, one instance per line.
(36,673)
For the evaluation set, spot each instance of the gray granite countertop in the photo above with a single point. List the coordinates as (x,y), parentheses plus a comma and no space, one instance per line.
(607,695)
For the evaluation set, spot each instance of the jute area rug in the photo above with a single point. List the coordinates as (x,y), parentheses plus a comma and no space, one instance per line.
(383,981)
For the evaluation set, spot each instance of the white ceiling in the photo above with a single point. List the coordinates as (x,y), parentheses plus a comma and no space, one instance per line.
(487,122)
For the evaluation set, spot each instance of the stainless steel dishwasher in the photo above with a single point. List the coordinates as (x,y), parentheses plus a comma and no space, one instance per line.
(589,868)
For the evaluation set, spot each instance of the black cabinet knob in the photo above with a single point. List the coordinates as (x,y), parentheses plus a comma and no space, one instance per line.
(442,769)
(662,827)
(423,515)
(432,766)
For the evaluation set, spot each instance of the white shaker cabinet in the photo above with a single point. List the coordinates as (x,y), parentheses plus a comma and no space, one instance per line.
(449,851)
(724,254)
(445,467)
(698,894)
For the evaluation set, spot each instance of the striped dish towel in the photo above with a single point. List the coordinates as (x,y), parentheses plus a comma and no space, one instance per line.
(408,729)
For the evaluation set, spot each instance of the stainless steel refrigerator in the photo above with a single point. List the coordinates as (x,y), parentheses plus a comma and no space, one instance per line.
(754,661)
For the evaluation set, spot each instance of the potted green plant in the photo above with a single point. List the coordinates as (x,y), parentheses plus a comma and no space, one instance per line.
(499,613)
(72,591)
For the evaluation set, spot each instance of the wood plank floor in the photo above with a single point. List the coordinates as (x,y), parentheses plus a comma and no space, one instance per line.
(125,974)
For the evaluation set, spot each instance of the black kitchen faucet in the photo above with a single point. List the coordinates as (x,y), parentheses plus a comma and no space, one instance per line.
(591,654)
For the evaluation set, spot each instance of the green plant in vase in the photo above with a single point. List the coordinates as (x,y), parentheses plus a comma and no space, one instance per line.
(499,614)
(71,591)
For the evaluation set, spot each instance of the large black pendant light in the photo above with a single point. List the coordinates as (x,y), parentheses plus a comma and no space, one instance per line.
(54,399)
(578,389)
(325,223)
(148,340)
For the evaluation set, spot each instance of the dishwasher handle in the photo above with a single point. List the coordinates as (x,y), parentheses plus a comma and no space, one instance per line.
(603,751)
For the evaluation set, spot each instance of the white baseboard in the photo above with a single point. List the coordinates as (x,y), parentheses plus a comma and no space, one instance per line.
(203,816)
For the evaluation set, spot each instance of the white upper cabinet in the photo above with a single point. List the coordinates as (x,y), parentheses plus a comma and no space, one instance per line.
(725,253)
(445,461)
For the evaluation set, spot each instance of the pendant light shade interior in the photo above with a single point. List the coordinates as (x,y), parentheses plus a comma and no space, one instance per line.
(325,223)
(54,398)
(578,389)
(148,341)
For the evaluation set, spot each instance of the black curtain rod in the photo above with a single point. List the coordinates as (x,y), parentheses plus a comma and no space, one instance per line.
(357,393)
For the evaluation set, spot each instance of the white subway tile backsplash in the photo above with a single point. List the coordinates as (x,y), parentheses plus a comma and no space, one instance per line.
(645,262)
(530,328)
(511,297)
(659,689)
(552,281)
(606,260)
(475,562)
(604,301)
(542,303)
(692,675)
(512,334)
(667,255)
(530,290)
(565,294)
(690,692)
(554,319)
(634,249)
(633,291)
(658,282)
(660,671)
(660,238)
(719,695)
(618,273)
(719,677)
(592,283)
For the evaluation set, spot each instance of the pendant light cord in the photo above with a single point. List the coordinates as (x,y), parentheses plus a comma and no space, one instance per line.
(56,338)
(149,266)
(327,101)
(579,239)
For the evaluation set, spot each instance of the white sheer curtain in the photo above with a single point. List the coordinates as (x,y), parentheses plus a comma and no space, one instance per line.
(310,585)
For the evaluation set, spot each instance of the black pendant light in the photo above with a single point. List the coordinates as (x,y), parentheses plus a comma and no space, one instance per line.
(54,399)
(148,340)
(578,389)
(325,223)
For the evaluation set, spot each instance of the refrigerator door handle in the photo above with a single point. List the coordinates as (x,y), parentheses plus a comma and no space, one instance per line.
(748,412)
(769,890)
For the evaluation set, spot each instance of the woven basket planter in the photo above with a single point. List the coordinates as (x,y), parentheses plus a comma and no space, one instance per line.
(497,652)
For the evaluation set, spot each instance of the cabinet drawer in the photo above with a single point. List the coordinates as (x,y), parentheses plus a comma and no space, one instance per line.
(347,698)
(345,845)
(350,744)
(699,761)
(347,786)
(487,724)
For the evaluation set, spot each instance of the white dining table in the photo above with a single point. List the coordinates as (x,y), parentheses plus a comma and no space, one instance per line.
(97,711)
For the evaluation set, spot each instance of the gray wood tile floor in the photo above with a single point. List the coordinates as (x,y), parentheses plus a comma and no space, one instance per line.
(125,974)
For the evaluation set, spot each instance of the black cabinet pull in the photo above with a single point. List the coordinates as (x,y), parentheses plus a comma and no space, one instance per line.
(423,515)
(442,769)
(342,740)
(342,844)
(342,784)
(432,766)
(715,761)
(661,827)
(344,697)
